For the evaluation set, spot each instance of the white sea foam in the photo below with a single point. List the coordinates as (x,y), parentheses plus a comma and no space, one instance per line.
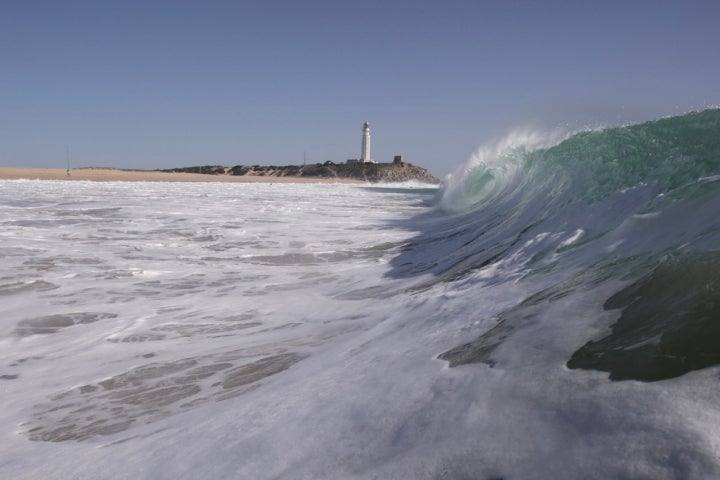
(273,331)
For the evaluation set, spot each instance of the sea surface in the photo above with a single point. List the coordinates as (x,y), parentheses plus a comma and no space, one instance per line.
(552,311)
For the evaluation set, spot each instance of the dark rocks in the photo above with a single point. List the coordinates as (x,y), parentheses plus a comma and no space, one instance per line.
(367,172)
(205,169)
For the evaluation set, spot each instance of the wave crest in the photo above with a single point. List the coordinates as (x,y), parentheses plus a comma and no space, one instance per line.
(493,168)
(590,165)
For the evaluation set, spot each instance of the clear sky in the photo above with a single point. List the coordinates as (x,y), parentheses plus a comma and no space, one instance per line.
(160,84)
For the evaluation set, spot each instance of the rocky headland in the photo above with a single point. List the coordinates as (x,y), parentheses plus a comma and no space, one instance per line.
(367,172)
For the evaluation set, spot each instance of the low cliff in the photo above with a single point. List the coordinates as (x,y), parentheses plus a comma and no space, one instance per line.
(368,172)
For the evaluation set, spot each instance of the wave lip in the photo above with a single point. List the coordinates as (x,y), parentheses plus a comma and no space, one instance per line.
(492,168)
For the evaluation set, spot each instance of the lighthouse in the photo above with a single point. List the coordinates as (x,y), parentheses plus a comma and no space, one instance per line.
(365,153)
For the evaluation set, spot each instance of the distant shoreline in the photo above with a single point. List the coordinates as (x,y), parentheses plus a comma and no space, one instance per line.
(97,174)
(368,172)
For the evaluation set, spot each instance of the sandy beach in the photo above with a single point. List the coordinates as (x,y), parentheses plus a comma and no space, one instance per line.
(117,175)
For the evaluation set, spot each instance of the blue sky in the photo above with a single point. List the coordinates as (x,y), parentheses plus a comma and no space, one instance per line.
(160,84)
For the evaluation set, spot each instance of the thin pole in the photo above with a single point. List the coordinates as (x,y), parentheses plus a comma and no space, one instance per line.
(67,158)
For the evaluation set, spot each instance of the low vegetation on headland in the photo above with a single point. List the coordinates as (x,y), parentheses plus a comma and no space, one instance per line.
(368,172)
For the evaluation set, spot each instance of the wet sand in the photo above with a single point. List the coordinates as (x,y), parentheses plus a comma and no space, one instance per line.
(116,175)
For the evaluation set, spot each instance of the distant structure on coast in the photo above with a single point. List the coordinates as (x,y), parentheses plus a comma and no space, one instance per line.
(364,168)
(365,150)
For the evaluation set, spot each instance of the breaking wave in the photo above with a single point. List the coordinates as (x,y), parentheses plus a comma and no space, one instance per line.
(629,203)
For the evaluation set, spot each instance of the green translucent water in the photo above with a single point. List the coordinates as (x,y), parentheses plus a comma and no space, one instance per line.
(668,153)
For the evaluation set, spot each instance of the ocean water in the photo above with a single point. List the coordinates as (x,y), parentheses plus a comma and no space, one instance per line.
(551,312)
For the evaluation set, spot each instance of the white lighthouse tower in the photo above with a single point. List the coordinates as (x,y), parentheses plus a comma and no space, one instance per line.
(365,153)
